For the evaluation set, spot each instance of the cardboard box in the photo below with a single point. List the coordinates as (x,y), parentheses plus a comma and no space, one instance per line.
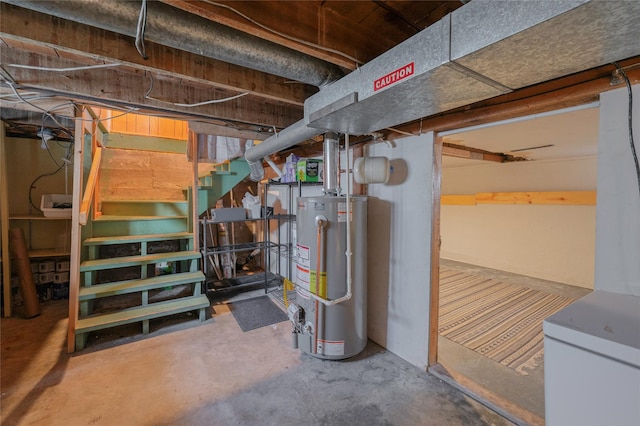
(309,171)
(228,214)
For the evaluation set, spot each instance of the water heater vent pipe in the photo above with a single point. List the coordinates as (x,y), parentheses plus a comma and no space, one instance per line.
(348,253)
(331,154)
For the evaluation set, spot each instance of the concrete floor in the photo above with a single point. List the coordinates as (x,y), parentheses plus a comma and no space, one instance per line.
(523,393)
(212,374)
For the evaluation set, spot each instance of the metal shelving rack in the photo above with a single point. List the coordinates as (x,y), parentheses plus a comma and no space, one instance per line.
(232,248)
(286,249)
(281,249)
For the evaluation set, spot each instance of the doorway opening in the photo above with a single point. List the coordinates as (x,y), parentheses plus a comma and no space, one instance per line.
(517,245)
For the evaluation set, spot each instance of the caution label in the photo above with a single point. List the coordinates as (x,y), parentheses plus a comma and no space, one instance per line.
(393,77)
(303,277)
(302,253)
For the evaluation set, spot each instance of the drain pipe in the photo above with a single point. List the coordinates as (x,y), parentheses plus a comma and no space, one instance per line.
(173,27)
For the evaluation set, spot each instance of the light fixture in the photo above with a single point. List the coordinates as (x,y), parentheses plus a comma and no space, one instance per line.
(46,135)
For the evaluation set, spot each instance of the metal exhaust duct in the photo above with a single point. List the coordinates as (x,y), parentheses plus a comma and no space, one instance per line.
(331,164)
(483,49)
(184,31)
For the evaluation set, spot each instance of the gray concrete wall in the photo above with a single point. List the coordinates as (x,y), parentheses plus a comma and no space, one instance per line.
(399,250)
(617,265)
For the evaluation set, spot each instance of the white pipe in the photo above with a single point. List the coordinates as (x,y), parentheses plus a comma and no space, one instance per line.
(273,166)
(292,135)
(595,104)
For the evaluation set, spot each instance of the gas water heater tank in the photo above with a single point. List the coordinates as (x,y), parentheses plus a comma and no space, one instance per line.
(338,331)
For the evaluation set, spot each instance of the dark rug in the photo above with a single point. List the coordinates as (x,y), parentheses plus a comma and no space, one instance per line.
(255,313)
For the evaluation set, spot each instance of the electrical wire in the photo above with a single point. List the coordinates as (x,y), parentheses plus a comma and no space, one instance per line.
(630,121)
(288,37)
(82,68)
(15,91)
(31,187)
(142,23)
(213,101)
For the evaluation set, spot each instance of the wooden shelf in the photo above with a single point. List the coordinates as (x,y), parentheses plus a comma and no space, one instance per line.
(33,217)
(48,253)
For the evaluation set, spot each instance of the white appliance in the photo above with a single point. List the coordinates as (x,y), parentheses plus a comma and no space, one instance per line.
(592,362)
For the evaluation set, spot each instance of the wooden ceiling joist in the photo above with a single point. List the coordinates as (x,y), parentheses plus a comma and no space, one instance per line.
(312,22)
(55,36)
(460,151)
(105,85)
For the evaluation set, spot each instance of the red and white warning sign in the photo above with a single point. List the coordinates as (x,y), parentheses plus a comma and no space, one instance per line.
(394,76)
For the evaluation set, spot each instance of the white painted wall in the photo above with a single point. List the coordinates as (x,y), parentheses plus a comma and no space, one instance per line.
(399,250)
(551,242)
(617,267)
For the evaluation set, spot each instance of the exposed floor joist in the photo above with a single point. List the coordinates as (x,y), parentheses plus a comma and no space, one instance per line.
(59,37)
(315,23)
(124,88)
(461,151)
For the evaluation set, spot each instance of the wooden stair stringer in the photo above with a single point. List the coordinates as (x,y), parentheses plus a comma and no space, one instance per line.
(130,223)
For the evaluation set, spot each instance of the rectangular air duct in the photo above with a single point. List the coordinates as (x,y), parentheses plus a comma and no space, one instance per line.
(481,50)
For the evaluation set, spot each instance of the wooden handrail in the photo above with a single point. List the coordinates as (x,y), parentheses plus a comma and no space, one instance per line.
(89,190)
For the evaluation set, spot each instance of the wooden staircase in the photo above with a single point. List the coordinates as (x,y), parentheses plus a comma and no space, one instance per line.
(132,239)
(217,183)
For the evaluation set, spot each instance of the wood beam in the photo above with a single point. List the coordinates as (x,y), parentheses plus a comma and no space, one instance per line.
(436,243)
(58,37)
(460,151)
(5,260)
(565,198)
(314,23)
(113,85)
(569,198)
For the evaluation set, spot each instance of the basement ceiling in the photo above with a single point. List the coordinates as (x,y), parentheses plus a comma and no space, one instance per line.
(342,34)
(36,38)
(552,136)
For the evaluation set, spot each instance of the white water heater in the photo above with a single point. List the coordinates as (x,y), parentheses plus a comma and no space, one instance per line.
(330,314)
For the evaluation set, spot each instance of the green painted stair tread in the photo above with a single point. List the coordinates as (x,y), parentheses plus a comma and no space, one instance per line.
(145,208)
(148,259)
(127,239)
(124,218)
(144,201)
(133,286)
(140,313)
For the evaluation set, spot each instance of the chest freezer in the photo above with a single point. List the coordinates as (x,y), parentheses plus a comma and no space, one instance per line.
(592,362)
